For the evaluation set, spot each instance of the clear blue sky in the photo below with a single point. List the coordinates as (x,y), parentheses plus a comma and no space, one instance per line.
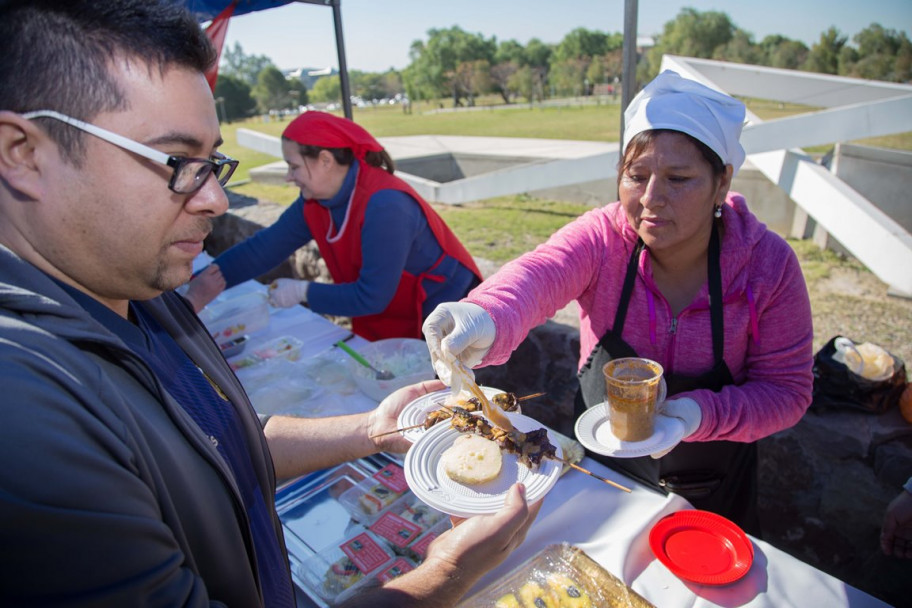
(379,33)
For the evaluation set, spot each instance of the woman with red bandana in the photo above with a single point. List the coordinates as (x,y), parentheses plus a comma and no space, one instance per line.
(392,258)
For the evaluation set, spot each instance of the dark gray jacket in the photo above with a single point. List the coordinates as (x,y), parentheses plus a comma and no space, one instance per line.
(110,494)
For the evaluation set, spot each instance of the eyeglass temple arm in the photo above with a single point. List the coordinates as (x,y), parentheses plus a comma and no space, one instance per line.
(114,138)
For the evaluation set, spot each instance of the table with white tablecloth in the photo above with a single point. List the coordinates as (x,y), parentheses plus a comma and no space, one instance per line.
(610,526)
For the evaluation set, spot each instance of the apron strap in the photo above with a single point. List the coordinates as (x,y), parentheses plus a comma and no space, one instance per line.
(714,271)
(629,280)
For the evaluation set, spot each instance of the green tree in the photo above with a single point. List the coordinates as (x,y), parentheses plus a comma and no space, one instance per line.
(471,78)
(433,70)
(740,49)
(567,76)
(537,54)
(507,59)
(236,102)
(297,91)
(581,43)
(272,90)
(368,86)
(691,34)
(327,89)
(882,54)
(246,67)
(824,54)
(781,52)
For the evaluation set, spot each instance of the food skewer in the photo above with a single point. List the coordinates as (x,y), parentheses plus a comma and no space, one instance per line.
(442,405)
(492,413)
(591,474)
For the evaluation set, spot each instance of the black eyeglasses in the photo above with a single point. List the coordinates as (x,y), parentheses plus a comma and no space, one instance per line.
(189,173)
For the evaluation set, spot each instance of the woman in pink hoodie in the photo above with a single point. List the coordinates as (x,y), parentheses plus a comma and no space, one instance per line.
(678,271)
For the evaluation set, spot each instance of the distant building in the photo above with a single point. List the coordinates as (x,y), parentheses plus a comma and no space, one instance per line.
(310,75)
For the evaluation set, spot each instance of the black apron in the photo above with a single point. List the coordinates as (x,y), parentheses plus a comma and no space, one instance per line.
(717,476)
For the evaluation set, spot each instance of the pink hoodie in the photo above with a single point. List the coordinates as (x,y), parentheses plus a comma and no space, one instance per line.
(768,326)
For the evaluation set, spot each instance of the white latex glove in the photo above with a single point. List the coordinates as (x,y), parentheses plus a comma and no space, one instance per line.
(459,331)
(288,292)
(687,411)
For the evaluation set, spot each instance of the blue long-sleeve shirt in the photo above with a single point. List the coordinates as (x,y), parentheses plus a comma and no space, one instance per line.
(395,237)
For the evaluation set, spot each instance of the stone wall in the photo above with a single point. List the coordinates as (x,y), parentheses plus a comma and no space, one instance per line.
(824,483)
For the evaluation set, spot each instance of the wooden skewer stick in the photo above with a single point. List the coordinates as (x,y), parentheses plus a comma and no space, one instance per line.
(591,474)
(532,396)
(443,405)
(407,428)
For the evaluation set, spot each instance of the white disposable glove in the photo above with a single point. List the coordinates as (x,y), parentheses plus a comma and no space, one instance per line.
(459,331)
(687,411)
(288,292)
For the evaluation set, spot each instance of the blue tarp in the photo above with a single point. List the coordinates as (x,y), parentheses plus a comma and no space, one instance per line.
(206,10)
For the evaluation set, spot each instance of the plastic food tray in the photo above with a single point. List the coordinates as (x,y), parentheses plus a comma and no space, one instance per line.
(560,575)
(243,314)
(317,522)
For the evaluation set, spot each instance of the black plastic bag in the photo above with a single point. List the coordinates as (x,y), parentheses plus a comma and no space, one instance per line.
(838,387)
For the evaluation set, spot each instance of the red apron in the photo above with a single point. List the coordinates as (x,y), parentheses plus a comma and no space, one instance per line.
(403,317)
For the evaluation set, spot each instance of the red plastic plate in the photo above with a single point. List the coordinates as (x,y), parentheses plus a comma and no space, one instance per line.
(702,547)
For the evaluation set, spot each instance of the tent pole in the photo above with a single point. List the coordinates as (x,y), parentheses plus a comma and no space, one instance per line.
(343,66)
(629,59)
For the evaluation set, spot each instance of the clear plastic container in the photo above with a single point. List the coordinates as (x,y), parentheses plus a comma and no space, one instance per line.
(560,575)
(408,360)
(243,314)
(369,498)
(417,549)
(283,347)
(334,571)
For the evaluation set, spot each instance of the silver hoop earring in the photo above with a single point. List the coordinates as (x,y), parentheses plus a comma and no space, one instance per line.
(718,212)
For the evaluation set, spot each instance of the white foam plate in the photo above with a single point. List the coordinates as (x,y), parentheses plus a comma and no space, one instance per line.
(416,411)
(427,479)
(594,431)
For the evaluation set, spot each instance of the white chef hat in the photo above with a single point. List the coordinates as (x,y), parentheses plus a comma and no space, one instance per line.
(681,104)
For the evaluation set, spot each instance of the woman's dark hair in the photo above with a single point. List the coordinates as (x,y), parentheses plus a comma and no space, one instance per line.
(56,54)
(345,156)
(642,140)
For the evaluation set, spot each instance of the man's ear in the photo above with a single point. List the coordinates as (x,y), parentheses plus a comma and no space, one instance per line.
(21,142)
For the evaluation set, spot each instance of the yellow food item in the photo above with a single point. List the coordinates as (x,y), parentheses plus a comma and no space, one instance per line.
(905,403)
(533,595)
(472,460)
(507,601)
(569,593)
(878,363)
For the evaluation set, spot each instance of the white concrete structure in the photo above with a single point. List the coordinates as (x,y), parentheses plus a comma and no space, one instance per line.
(855,109)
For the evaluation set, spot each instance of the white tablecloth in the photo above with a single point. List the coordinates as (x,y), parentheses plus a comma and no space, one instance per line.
(611,526)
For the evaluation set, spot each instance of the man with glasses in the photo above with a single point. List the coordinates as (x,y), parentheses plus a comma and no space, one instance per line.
(133,469)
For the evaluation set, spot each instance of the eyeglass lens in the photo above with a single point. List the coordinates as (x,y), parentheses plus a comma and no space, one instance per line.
(192,174)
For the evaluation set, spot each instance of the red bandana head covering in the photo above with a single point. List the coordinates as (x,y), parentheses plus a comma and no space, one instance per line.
(329,131)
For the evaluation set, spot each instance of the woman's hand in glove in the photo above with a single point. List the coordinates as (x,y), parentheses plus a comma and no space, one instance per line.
(459,330)
(687,411)
(288,292)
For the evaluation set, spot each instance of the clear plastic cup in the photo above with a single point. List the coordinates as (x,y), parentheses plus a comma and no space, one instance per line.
(633,388)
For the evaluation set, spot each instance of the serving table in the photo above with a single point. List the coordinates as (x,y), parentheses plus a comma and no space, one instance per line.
(611,526)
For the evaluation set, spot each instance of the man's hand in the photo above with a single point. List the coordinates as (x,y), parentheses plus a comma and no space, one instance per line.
(204,287)
(478,544)
(384,418)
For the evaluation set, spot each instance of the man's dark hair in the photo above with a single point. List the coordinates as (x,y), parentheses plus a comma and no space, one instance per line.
(55,55)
